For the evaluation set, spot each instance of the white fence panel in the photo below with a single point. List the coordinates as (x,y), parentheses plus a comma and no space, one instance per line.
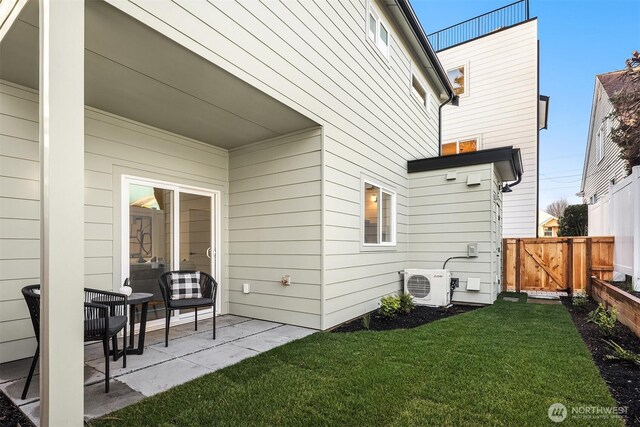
(624,208)
(599,224)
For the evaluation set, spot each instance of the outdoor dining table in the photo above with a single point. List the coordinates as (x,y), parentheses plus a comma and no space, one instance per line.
(136,298)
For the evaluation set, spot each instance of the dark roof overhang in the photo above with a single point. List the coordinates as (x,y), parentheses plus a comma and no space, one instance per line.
(507,160)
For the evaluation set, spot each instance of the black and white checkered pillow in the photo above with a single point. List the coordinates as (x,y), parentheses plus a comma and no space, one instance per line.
(185,285)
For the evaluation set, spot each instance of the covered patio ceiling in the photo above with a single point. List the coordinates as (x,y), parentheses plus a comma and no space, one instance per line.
(135,72)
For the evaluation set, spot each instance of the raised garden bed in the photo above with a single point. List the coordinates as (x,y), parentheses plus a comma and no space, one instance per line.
(421,315)
(623,378)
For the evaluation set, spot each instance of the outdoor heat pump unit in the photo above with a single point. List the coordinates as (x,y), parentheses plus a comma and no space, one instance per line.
(428,287)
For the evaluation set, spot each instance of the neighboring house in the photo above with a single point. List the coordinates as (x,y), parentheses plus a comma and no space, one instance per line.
(602,163)
(493,63)
(267,143)
(610,191)
(547,225)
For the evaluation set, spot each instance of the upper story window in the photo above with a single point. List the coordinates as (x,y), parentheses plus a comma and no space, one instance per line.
(460,146)
(600,137)
(379,215)
(378,32)
(458,78)
(418,90)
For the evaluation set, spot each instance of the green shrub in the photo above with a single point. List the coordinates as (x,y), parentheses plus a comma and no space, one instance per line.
(603,319)
(406,303)
(622,354)
(389,306)
(574,221)
(579,300)
(366,321)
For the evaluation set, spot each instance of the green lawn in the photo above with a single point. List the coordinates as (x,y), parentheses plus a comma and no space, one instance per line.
(500,365)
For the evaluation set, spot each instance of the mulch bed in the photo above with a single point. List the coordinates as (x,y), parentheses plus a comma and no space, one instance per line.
(10,415)
(421,315)
(623,378)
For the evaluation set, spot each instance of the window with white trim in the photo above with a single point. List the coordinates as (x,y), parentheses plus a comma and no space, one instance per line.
(418,90)
(377,32)
(548,232)
(458,77)
(459,146)
(379,215)
(600,137)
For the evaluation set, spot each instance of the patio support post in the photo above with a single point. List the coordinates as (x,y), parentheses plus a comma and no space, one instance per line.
(62,212)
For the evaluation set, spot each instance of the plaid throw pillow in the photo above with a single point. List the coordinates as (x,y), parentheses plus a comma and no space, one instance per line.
(185,285)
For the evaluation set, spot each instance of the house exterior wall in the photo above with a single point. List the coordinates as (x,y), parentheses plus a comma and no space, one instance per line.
(113,146)
(598,174)
(275,222)
(501,109)
(316,58)
(445,215)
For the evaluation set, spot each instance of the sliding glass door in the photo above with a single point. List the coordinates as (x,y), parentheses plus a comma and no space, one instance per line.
(168,228)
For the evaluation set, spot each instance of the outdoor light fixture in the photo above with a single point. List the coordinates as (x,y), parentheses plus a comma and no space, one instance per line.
(374,198)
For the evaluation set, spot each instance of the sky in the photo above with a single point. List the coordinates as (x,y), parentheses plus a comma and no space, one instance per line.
(578,39)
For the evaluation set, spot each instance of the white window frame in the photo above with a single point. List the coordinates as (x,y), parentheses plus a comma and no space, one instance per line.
(548,230)
(466,77)
(600,138)
(424,101)
(459,140)
(382,189)
(377,40)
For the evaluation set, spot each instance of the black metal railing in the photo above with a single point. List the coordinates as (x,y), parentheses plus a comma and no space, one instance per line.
(481,25)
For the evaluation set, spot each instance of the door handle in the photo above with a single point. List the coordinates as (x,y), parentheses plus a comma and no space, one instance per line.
(208,252)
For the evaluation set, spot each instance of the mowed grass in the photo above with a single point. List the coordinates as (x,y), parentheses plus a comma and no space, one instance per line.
(502,365)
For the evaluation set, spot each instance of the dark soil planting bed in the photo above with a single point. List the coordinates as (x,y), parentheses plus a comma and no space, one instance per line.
(10,415)
(421,315)
(623,378)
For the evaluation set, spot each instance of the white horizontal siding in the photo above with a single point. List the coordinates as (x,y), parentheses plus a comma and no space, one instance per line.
(441,231)
(599,174)
(501,110)
(110,142)
(274,229)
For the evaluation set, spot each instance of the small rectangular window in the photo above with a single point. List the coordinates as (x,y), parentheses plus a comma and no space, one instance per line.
(373,24)
(418,90)
(378,32)
(460,146)
(383,41)
(458,80)
(600,136)
(379,216)
(548,232)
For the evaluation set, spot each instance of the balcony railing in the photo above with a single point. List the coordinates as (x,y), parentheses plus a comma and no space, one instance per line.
(481,25)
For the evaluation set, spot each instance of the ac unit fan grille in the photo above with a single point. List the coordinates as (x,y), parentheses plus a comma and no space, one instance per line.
(419,286)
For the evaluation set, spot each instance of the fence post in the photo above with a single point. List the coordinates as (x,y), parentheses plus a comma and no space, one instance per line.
(568,277)
(518,242)
(635,172)
(588,261)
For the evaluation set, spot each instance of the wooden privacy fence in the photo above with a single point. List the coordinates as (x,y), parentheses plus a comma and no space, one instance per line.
(556,263)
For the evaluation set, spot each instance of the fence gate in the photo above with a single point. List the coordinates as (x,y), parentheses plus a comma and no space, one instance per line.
(556,264)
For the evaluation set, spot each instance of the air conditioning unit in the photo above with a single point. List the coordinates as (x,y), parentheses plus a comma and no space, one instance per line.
(428,287)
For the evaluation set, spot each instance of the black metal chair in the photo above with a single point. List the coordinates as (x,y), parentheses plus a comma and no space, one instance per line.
(31,295)
(208,290)
(105,315)
(101,323)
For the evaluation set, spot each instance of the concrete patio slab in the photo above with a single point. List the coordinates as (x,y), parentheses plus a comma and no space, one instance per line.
(11,371)
(190,354)
(263,342)
(221,356)
(163,376)
(150,357)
